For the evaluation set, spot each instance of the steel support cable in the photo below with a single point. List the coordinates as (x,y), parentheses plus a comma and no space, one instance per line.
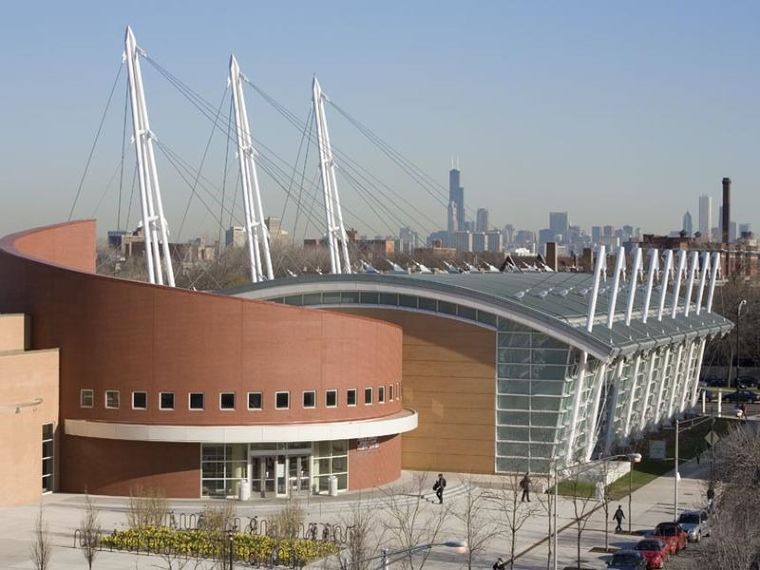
(346,160)
(295,165)
(203,161)
(95,142)
(303,176)
(106,188)
(369,198)
(131,195)
(224,175)
(123,154)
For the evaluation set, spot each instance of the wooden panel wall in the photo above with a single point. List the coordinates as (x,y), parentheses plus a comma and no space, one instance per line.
(449,378)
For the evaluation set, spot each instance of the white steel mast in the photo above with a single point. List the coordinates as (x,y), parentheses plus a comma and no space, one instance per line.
(256,231)
(336,232)
(153,220)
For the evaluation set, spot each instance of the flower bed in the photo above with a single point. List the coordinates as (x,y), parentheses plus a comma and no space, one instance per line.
(201,543)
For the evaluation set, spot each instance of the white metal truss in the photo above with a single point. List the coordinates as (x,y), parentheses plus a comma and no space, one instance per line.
(664,283)
(688,376)
(592,422)
(656,415)
(632,285)
(680,272)
(619,269)
(612,412)
(579,388)
(337,240)
(690,285)
(632,395)
(653,266)
(256,231)
(713,279)
(695,378)
(677,380)
(647,391)
(155,228)
(702,281)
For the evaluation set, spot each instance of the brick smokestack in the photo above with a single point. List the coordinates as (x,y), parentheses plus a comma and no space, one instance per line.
(726,222)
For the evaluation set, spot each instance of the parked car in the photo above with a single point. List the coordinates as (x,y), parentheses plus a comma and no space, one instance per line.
(672,535)
(716,382)
(695,523)
(655,551)
(746,381)
(627,560)
(742,396)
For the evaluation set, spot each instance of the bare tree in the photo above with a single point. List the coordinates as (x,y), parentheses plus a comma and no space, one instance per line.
(363,537)
(146,507)
(515,511)
(480,526)
(582,510)
(546,501)
(41,548)
(89,528)
(413,520)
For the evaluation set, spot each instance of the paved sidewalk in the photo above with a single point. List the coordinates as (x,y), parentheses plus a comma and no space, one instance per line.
(652,504)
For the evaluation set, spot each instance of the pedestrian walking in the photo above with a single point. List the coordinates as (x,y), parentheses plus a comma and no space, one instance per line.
(618,518)
(499,564)
(525,486)
(439,486)
(710,497)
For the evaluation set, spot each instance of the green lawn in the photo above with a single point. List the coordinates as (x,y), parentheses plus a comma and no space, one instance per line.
(690,443)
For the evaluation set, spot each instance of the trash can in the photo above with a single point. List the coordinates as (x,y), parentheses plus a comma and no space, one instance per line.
(244,490)
(332,486)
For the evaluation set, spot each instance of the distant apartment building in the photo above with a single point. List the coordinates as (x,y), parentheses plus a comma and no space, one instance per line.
(408,240)
(705,216)
(481,220)
(462,241)
(494,241)
(235,237)
(687,226)
(479,241)
(558,224)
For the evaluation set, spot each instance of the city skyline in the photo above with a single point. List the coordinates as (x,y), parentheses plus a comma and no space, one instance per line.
(584,119)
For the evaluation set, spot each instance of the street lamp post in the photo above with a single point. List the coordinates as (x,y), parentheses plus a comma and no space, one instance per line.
(742,303)
(676,477)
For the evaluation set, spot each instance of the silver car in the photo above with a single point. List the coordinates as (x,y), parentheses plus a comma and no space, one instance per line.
(696,524)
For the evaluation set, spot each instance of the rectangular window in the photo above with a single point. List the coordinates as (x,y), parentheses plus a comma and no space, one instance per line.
(381,394)
(86,398)
(254,400)
(351,397)
(282,400)
(48,456)
(309,399)
(368,396)
(166,401)
(390,392)
(195,400)
(112,399)
(331,399)
(139,400)
(227,401)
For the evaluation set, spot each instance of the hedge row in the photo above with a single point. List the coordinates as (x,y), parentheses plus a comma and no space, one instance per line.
(201,543)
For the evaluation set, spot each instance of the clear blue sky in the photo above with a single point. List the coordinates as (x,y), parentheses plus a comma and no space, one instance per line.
(617,112)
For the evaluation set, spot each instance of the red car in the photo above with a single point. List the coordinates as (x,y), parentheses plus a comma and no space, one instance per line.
(655,551)
(672,535)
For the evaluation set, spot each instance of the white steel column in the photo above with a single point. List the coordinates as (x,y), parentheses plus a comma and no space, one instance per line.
(591,421)
(663,371)
(619,267)
(702,281)
(153,220)
(648,390)
(697,368)
(653,263)
(678,278)
(255,228)
(713,279)
(690,285)
(336,232)
(632,285)
(579,387)
(601,259)
(632,396)
(664,283)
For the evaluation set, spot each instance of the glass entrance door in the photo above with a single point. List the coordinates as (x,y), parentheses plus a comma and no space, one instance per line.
(298,473)
(281,474)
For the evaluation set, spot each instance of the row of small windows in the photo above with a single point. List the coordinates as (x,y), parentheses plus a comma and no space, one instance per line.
(228,400)
(390,299)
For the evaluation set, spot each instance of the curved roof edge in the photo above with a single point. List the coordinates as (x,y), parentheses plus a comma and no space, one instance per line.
(598,344)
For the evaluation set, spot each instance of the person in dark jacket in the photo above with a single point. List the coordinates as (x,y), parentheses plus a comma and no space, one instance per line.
(439,486)
(525,486)
(499,564)
(618,518)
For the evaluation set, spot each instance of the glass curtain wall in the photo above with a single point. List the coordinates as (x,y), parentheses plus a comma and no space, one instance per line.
(533,385)
(222,468)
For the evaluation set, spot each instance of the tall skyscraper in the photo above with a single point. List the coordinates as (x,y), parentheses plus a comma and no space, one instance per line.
(687,226)
(456,195)
(481,220)
(596,234)
(453,217)
(705,216)
(558,225)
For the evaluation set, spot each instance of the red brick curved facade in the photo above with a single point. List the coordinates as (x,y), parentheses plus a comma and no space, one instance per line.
(115,334)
